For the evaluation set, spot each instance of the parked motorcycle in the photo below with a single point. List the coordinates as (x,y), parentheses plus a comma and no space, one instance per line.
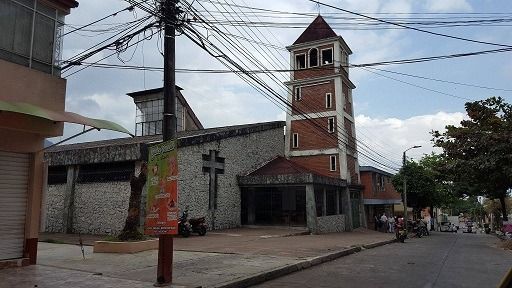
(184,227)
(195,225)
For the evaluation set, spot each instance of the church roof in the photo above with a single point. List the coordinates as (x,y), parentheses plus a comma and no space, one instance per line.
(130,148)
(281,165)
(317,30)
(282,171)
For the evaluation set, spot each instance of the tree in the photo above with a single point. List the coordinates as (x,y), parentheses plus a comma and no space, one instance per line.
(478,153)
(421,186)
(132,223)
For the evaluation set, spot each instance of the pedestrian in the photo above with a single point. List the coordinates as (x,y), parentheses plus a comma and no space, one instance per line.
(391,221)
(384,222)
(377,222)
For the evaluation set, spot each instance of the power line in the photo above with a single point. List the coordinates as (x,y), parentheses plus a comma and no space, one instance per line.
(409,27)
(222,56)
(440,80)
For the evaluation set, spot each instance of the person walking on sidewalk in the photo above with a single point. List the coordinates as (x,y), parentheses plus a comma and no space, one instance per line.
(384,221)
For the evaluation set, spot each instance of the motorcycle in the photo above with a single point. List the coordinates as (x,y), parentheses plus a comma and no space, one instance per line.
(187,226)
(184,227)
(400,232)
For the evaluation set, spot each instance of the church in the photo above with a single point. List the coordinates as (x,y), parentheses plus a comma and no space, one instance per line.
(303,172)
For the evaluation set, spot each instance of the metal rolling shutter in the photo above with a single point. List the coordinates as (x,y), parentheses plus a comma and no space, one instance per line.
(14,169)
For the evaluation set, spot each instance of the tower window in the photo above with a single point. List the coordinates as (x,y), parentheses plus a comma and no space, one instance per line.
(332,163)
(330,124)
(313,57)
(298,93)
(326,56)
(344,60)
(295,143)
(300,61)
(328,100)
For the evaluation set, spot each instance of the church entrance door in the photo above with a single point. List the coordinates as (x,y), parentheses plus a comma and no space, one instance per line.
(280,206)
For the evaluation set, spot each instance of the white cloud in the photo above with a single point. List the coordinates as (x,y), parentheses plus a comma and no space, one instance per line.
(391,136)
(448,6)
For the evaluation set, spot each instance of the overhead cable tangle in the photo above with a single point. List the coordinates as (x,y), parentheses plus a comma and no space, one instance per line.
(285,100)
(411,28)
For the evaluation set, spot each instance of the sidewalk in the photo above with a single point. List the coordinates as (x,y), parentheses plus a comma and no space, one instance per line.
(229,258)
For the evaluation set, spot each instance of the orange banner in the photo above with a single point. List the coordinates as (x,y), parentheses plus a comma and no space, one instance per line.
(162,185)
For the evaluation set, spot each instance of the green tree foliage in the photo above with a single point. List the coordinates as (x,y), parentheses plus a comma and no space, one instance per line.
(421,185)
(478,153)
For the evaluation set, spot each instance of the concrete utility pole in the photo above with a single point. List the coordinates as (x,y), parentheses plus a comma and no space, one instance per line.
(169,19)
(405,186)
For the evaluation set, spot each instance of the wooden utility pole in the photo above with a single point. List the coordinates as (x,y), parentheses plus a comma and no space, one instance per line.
(169,12)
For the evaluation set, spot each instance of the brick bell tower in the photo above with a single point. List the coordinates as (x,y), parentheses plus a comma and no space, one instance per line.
(320,87)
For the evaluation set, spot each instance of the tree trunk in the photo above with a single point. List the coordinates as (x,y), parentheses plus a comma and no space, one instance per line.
(131,226)
(503,208)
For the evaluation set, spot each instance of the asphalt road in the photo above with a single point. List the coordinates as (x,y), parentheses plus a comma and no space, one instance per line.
(440,260)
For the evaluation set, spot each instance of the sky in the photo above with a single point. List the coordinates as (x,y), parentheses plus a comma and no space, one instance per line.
(392,111)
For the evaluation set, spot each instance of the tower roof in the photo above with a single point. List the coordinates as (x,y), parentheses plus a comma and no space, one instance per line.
(317,30)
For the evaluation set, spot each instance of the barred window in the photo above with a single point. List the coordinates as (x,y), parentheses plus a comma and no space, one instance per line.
(57,175)
(106,172)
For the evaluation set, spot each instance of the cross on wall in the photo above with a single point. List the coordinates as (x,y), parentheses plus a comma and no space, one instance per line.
(213,165)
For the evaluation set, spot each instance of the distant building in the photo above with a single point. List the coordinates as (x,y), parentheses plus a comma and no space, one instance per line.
(379,194)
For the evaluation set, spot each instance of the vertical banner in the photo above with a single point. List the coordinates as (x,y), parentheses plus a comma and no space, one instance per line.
(162,183)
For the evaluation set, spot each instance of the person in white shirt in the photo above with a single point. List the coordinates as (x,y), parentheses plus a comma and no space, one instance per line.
(384,221)
(391,221)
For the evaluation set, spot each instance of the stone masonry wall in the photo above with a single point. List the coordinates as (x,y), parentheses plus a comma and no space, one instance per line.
(100,208)
(242,154)
(333,223)
(54,208)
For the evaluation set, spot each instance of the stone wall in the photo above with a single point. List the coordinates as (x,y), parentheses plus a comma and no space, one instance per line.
(333,223)
(54,208)
(242,154)
(100,208)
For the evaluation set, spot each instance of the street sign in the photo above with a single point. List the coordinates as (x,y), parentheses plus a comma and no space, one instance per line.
(162,185)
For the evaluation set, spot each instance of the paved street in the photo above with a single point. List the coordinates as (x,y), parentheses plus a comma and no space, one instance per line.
(440,260)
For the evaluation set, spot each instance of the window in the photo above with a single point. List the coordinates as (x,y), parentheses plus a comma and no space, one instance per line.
(313,57)
(344,60)
(148,117)
(328,100)
(29,24)
(300,61)
(295,143)
(326,56)
(298,93)
(333,163)
(330,124)
(330,198)
(319,202)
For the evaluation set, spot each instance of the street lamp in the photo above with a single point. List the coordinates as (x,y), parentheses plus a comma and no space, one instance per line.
(405,187)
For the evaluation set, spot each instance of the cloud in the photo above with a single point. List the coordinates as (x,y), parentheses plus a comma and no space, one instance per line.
(448,6)
(391,136)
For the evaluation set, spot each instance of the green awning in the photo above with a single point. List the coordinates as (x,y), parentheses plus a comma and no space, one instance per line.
(60,116)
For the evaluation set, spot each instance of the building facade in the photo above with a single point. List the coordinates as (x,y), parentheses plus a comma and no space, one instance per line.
(379,194)
(88,185)
(317,184)
(29,83)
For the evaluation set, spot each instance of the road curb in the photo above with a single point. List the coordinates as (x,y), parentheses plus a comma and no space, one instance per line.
(377,244)
(288,269)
